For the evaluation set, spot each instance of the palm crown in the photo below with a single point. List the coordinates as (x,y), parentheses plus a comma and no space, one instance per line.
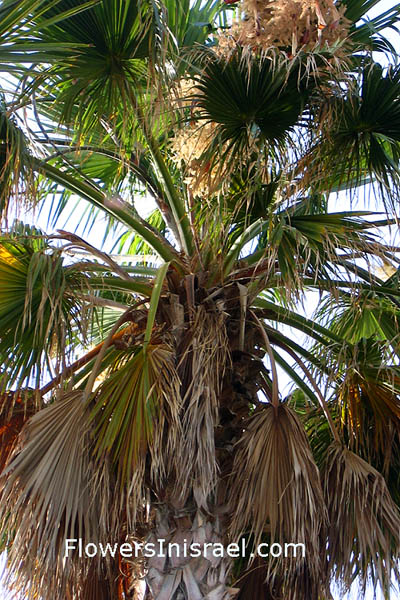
(140,393)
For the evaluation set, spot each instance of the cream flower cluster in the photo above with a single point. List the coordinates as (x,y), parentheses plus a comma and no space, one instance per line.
(289,24)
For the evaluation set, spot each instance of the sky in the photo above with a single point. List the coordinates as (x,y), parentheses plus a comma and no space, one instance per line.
(41,221)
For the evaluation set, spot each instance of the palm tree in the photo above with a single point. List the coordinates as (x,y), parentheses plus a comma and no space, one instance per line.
(141,387)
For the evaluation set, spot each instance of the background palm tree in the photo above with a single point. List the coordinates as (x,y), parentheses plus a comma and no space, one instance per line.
(139,387)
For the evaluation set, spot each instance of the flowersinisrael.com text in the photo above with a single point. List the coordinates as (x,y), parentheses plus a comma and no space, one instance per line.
(163,549)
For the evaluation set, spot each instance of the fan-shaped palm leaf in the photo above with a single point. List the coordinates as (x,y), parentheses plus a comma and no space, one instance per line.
(275,462)
(364,521)
(250,100)
(39,308)
(15,162)
(366,132)
(62,493)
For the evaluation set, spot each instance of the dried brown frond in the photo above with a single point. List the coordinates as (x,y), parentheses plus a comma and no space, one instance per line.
(202,369)
(252,583)
(53,490)
(12,419)
(364,531)
(167,432)
(275,491)
(88,581)
(370,411)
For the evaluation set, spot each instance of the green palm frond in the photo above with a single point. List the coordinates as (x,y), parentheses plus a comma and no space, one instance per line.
(362,315)
(191,23)
(113,206)
(24,46)
(372,33)
(133,244)
(40,310)
(365,133)
(117,40)
(311,245)
(356,9)
(133,406)
(367,398)
(15,162)
(250,101)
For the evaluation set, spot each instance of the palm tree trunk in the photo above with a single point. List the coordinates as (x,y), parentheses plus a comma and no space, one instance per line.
(175,576)
(214,409)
